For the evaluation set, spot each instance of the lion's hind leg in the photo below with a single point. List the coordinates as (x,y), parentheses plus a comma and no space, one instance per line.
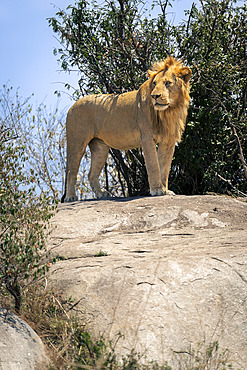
(99,152)
(74,156)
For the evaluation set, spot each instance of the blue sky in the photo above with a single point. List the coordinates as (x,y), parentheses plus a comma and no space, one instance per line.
(26,46)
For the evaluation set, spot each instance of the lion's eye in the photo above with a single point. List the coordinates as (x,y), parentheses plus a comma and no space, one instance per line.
(154,83)
(167,83)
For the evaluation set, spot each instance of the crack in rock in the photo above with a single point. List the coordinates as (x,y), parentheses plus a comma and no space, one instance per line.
(232,268)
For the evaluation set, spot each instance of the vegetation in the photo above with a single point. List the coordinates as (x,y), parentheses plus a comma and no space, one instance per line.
(71,346)
(213,44)
(101,254)
(41,135)
(112,44)
(23,213)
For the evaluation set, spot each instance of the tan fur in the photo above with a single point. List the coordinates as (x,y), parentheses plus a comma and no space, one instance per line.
(152,116)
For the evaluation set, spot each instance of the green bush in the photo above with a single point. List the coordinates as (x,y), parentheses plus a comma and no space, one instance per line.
(24,216)
(212,155)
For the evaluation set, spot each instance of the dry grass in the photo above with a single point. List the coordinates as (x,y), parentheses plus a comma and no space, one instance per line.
(70,346)
(68,343)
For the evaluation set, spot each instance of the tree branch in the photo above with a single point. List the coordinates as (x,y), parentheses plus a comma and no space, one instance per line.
(230,183)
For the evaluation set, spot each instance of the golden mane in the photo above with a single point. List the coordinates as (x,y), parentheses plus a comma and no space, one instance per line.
(171,122)
(163,65)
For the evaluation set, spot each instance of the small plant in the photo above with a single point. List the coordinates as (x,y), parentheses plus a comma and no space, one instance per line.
(101,254)
(204,357)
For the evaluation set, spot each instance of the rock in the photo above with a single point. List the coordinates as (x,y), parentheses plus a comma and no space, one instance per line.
(169,273)
(20,347)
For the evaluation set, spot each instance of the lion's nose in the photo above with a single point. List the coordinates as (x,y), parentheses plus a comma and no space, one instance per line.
(155,96)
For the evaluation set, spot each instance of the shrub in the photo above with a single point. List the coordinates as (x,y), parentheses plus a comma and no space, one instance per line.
(24,216)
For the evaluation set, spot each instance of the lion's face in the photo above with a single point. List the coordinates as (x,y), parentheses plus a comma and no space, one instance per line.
(167,87)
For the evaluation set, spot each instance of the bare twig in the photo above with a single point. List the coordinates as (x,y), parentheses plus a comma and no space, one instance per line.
(188,22)
(163,6)
(230,183)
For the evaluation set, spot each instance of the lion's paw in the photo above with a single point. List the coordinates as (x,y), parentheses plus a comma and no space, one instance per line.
(169,192)
(73,198)
(102,194)
(161,191)
(158,191)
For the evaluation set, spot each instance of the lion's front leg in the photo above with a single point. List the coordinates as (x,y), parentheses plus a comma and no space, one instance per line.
(165,154)
(153,168)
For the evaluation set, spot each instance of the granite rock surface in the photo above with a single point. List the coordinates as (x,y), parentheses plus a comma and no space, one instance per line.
(169,273)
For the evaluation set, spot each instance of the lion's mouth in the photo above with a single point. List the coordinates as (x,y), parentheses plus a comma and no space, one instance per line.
(162,106)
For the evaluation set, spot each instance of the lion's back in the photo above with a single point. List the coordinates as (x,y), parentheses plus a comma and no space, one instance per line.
(112,118)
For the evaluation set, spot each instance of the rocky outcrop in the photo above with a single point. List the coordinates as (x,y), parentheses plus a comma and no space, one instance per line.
(169,273)
(20,347)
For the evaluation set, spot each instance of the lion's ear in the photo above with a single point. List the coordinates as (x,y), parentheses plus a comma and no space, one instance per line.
(184,73)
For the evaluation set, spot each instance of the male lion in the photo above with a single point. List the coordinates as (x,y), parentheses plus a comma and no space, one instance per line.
(152,116)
